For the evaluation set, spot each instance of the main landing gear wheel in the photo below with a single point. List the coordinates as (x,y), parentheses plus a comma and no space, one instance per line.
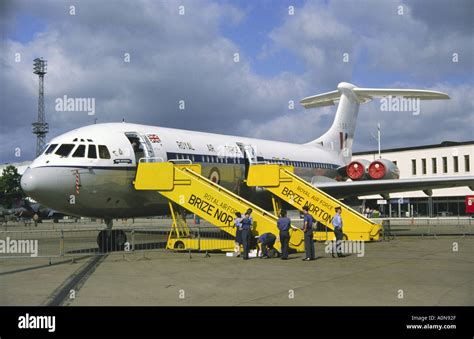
(111,240)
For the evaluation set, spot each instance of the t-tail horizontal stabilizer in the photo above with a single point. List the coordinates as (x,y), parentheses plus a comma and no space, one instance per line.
(364,95)
(339,138)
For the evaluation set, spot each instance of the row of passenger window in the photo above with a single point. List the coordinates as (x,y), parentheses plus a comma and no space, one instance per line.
(203,158)
(300,163)
(235,160)
(80,151)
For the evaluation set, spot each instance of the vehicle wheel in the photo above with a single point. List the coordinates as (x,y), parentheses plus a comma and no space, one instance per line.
(179,245)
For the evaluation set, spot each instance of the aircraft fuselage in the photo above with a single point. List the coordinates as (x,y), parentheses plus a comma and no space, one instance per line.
(90,171)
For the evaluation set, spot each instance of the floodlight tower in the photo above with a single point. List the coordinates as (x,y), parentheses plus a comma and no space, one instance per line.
(40,127)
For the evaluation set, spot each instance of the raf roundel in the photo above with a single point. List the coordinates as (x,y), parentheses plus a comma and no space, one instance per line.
(215,176)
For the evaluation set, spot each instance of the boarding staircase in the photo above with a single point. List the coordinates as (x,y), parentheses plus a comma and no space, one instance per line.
(283,183)
(184,186)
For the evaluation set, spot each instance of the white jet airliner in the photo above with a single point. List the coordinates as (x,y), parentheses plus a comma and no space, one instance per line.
(89,171)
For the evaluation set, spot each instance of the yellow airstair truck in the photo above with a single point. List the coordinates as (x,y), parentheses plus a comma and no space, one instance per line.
(283,183)
(183,185)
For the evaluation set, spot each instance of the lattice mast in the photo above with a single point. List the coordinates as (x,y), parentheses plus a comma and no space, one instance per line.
(40,127)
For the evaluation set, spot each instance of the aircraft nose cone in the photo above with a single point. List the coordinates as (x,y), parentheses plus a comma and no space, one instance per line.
(29,182)
(47,186)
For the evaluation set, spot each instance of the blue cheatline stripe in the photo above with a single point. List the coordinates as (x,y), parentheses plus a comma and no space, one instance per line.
(211,159)
(131,168)
(239,160)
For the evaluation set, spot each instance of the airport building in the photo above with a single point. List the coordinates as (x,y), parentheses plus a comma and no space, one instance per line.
(441,160)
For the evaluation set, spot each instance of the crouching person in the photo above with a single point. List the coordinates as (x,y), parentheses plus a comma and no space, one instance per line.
(267,242)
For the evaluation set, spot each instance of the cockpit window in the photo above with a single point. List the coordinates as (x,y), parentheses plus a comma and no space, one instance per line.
(51,148)
(104,152)
(64,150)
(80,152)
(92,152)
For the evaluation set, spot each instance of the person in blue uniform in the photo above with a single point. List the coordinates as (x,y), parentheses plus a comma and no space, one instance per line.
(337,224)
(308,235)
(267,242)
(246,231)
(248,214)
(284,224)
(238,233)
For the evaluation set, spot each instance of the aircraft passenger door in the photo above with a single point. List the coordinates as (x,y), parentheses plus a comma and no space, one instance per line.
(250,155)
(141,146)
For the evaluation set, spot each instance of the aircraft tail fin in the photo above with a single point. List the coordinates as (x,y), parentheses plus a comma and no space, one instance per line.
(339,138)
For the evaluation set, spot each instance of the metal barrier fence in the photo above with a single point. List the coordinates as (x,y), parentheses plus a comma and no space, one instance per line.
(426,226)
(23,243)
(81,223)
(48,243)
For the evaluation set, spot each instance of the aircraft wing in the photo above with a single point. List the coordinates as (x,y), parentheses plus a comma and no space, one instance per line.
(348,189)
